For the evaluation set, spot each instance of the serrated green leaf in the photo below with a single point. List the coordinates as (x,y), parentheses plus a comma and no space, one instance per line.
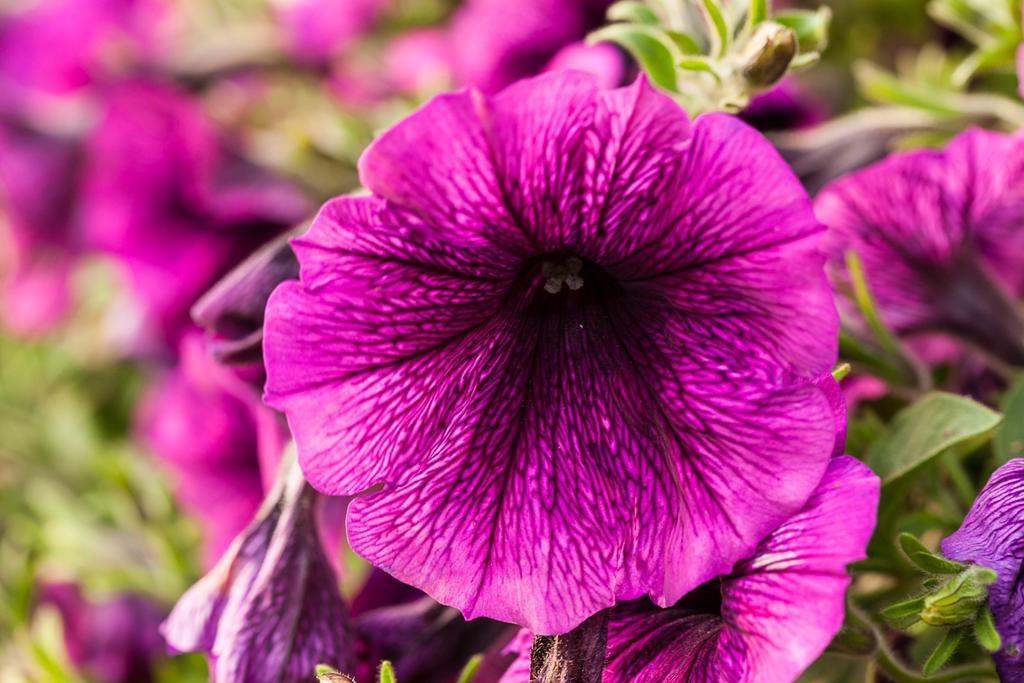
(926,429)
(651,48)
(985,631)
(386,673)
(633,12)
(1009,439)
(719,26)
(943,651)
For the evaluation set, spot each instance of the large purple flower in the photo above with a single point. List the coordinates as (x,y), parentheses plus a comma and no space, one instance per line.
(940,237)
(769,618)
(992,536)
(169,201)
(573,341)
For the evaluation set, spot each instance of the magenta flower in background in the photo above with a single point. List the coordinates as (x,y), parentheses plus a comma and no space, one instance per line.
(316,30)
(992,536)
(573,337)
(170,203)
(494,42)
(271,609)
(38,240)
(940,237)
(220,444)
(115,641)
(769,618)
(786,106)
(58,47)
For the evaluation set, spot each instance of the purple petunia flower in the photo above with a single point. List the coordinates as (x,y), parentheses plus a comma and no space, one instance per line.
(115,641)
(939,234)
(168,201)
(221,444)
(494,42)
(574,341)
(38,242)
(992,536)
(769,619)
(270,610)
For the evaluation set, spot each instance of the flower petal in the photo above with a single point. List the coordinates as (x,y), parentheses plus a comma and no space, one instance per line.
(779,609)
(992,536)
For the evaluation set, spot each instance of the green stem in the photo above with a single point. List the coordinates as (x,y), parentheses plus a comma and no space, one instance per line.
(961,481)
(888,663)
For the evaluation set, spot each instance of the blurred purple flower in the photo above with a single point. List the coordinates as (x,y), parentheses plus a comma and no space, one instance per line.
(38,241)
(992,536)
(769,618)
(166,199)
(271,609)
(114,641)
(466,336)
(58,47)
(939,234)
(220,443)
(786,106)
(495,42)
(316,30)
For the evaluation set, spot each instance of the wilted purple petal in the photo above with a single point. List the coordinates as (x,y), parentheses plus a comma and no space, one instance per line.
(938,234)
(271,610)
(484,387)
(992,536)
(786,106)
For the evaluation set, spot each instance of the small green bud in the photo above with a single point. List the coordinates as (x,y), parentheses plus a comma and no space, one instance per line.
(768,54)
(327,674)
(957,601)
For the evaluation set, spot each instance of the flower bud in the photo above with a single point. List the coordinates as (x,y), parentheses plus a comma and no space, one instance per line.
(768,55)
(957,602)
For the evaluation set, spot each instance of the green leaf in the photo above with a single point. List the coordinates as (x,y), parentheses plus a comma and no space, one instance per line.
(720,26)
(840,371)
(924,558)
(758,11)
(945,649)
(810,27)
(902,610)
(699,64)
(926,429)
(651,48)
(985,631)
(386,673)
(1009,439)
(686,43)
(866,303)
(469,671)
(633,12)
